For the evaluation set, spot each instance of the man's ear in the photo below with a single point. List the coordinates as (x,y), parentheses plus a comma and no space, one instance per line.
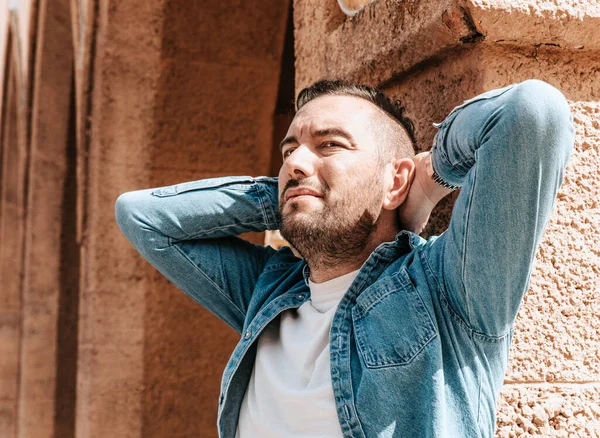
(401,175)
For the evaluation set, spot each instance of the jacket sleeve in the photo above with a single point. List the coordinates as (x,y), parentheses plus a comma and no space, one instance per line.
(188,232)
(508,149)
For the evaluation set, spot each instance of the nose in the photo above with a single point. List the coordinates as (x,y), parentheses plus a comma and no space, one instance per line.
(300,163)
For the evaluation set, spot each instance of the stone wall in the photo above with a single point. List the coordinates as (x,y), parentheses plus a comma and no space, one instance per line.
(433,55)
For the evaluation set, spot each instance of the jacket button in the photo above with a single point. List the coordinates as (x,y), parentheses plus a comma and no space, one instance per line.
(247,334)
(300,297)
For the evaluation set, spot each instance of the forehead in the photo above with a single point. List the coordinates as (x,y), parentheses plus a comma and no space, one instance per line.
(352,113)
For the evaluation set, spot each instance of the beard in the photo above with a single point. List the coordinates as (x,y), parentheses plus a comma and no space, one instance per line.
(339,231)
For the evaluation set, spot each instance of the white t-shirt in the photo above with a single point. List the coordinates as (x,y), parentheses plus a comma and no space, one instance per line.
(290,392)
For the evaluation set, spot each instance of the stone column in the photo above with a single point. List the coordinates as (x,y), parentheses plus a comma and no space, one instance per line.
(49,294)
(10,269)
(178,91)
(433,55)
(13,171)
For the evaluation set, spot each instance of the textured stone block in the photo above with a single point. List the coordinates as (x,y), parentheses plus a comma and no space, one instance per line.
(565,23)
(557,335)
(550,411)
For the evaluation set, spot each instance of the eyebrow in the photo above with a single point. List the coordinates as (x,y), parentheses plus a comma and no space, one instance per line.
(320,133)
(287,140)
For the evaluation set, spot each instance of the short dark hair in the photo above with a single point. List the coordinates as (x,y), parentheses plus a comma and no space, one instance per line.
(371,94)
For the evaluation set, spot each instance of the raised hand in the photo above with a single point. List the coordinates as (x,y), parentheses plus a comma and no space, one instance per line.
(423,196)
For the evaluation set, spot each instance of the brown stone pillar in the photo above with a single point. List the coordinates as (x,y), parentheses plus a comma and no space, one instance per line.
(12,213)
(433,55)
(48,344)
(117,66)
(179,91)
(10,299)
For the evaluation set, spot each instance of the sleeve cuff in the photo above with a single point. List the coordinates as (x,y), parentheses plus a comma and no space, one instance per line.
(269,199)
(444,170)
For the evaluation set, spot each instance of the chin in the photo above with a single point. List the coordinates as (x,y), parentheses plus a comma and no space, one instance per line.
(299,216)
(298,207)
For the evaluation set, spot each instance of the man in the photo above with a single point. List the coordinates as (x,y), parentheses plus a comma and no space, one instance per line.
(374,332)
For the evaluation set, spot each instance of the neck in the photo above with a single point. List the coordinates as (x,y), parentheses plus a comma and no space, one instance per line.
(320,272)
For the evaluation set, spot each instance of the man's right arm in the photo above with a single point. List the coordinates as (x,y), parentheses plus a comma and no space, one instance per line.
(508,148)
(188,232)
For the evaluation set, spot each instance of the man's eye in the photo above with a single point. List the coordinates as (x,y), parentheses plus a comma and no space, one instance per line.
(287,153)
(329,144)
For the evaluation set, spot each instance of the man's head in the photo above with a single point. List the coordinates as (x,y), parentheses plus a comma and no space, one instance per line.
(347,165)
(395,128)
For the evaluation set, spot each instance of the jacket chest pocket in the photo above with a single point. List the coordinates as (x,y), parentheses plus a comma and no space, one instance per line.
(391,322)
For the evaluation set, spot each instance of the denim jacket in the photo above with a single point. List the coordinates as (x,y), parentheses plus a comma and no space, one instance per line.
(420,342)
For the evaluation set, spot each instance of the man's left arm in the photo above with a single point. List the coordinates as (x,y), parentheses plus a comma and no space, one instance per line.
(507,149)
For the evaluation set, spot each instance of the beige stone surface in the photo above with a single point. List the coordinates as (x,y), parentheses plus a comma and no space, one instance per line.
(558,330)
(386,38)
(565,23)
(566,411)
(389,39)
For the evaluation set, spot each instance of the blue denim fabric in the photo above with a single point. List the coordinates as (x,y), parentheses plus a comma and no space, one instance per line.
(420,342)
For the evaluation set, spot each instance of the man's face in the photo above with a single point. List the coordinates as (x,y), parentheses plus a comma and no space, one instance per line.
(330,183)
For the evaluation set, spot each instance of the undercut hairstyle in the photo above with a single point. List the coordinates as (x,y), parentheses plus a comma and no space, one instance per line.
(395,144)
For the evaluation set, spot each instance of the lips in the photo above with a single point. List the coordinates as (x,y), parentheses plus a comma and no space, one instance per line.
(300,191)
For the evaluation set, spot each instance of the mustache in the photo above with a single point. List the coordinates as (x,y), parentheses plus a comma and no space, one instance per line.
(322,189)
